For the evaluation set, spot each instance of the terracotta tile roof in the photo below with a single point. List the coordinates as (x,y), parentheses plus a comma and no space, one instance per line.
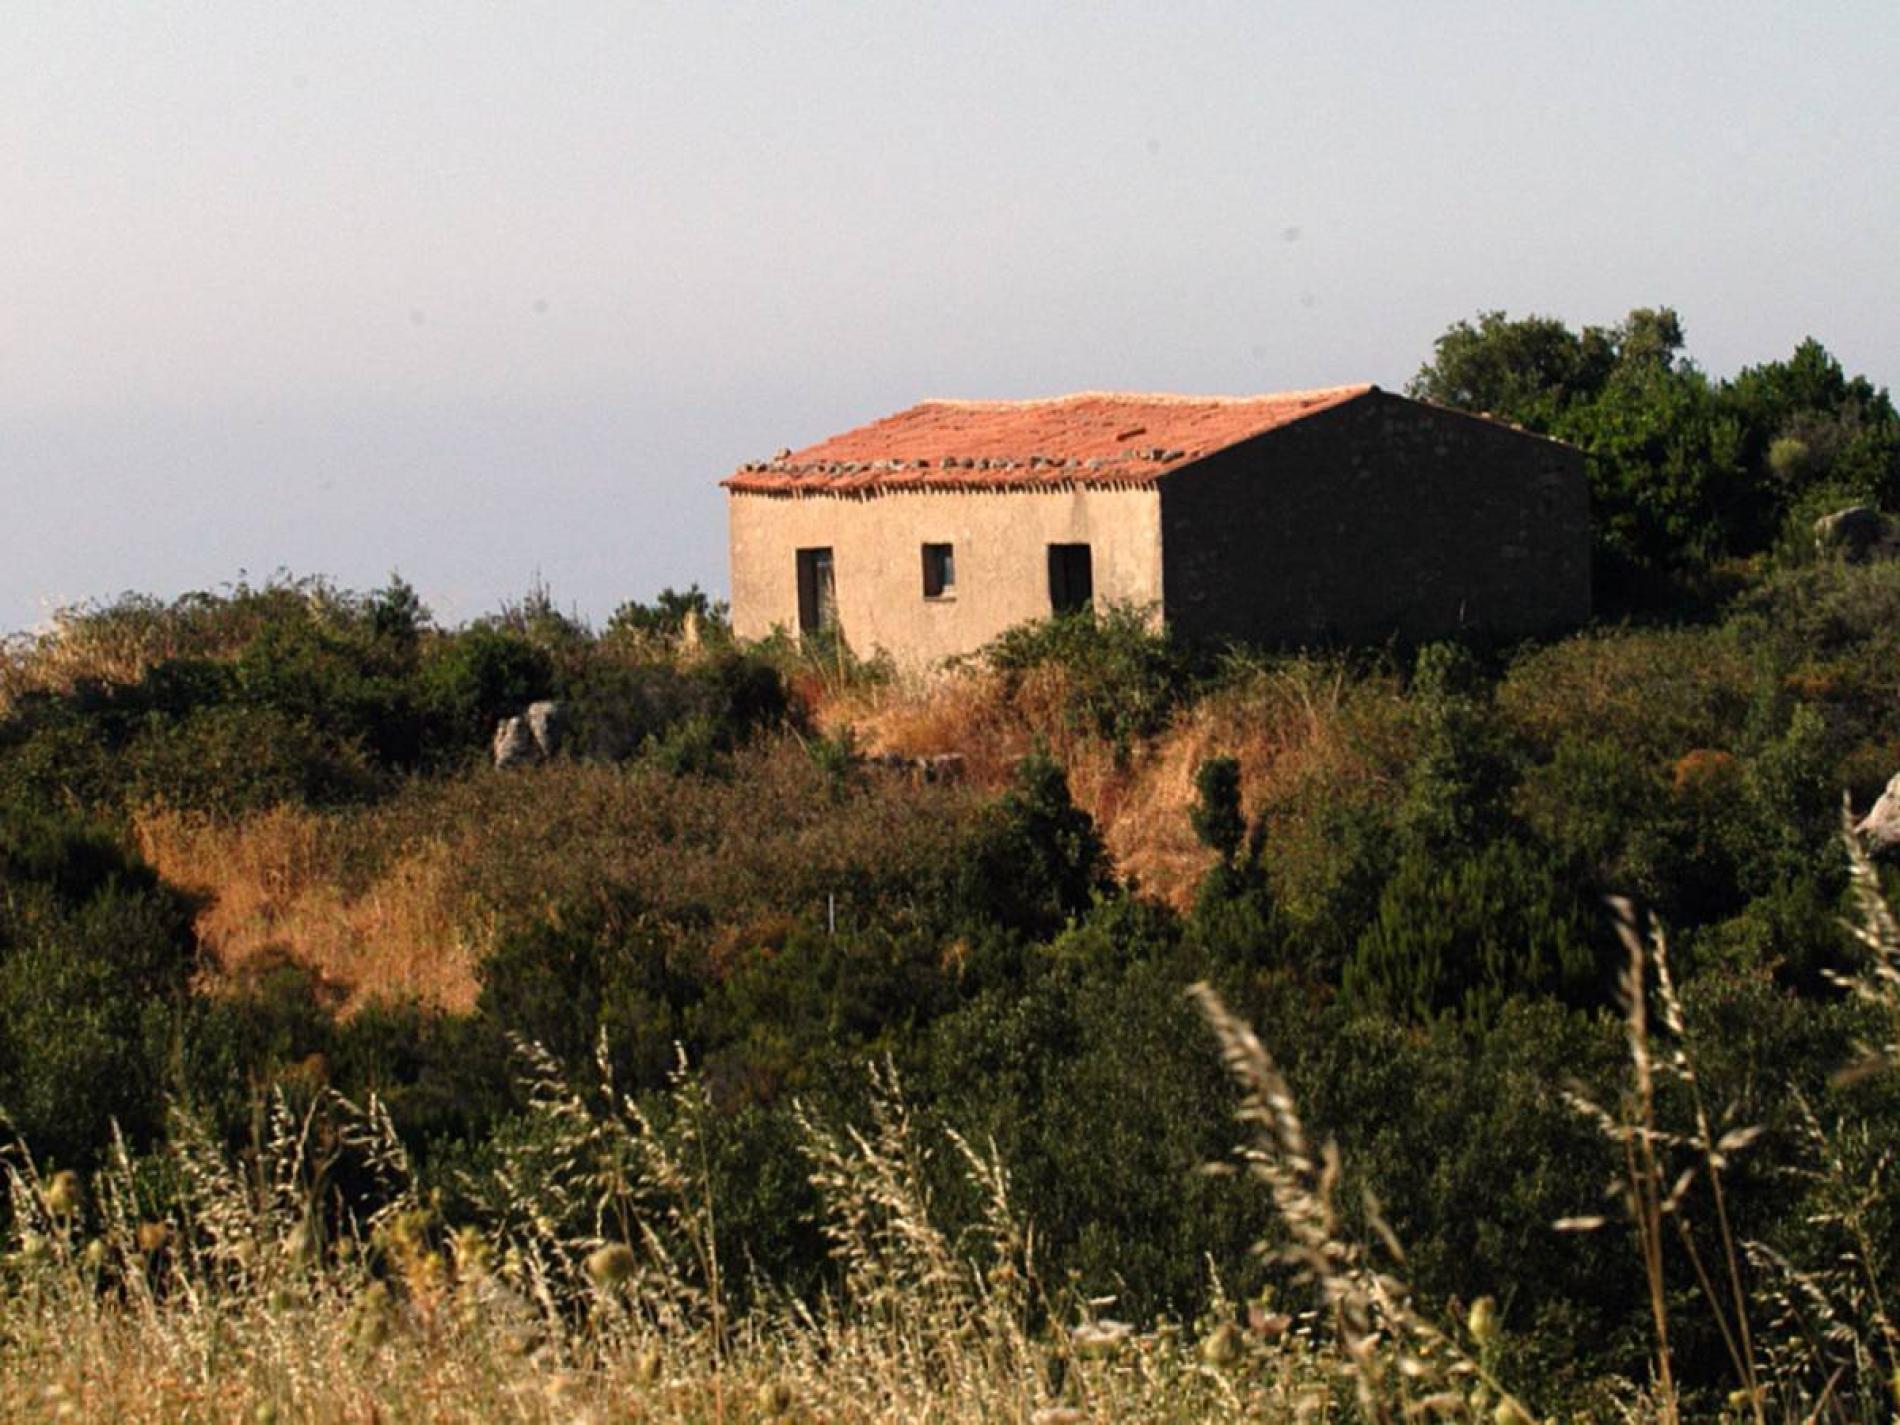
(1091,438)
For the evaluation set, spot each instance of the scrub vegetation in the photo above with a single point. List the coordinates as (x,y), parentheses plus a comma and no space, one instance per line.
(1468,1031)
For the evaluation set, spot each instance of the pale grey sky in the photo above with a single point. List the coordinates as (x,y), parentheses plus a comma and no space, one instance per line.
(475,290)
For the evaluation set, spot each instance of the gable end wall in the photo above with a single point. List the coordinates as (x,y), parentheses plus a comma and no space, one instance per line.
(1382,517)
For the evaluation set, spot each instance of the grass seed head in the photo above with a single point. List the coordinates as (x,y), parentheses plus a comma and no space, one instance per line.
(1482,1321)
(63,1193)
(374,1310)
(1221,1346)
(775,1398)
(608,1267)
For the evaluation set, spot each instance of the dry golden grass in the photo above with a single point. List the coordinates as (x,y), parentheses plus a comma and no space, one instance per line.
(74,650)
(119,642)
(1295,727)
(959,710)
(274,884)
(586,1295)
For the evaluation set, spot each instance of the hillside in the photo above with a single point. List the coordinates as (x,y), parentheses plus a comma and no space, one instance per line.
(803,1040)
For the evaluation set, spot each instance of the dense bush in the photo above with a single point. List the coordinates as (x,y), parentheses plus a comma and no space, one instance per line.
(95,959)
(1116,674)
(1471,934)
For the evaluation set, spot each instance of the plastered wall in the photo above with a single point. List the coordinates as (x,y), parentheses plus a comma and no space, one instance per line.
(1001,540)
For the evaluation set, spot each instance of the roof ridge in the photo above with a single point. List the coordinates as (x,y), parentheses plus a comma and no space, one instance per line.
(1153,398)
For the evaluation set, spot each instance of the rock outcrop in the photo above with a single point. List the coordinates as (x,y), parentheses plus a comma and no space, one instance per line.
(1851,533)
(549,723)
(514,744)
(533,736)
(1879,830)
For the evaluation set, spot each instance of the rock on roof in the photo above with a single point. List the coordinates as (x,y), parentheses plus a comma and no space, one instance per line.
(1090,438)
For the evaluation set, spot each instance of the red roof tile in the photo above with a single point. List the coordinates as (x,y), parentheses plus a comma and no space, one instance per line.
(1091,438)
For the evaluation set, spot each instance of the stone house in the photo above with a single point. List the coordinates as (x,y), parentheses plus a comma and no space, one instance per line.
(1301,518)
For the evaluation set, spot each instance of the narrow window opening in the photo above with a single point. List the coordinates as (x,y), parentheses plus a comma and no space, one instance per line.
(1071,578)
(940,571)
(817,592)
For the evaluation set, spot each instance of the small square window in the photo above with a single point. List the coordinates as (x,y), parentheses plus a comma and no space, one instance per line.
(940,570)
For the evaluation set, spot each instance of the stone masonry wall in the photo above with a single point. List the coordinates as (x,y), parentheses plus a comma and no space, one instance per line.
(1381,517)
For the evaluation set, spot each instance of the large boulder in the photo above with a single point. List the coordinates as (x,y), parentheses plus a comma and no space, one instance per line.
(1851,533)
(1879,830)
(550,724)
(514,744)
(534,736)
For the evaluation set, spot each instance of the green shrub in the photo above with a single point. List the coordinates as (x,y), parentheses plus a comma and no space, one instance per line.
(1467,935)
(1456,789)
(666,617)
(95,959)
(605,968)
(341,678)
(1121,677)
(1091,1077)
(473,679)
(1234,917)
(687,713)
(1036,859)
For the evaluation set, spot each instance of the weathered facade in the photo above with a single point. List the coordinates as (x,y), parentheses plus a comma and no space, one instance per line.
(1301,518)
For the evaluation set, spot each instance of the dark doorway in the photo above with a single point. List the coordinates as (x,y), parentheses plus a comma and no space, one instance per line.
(817,592)
(1071,578)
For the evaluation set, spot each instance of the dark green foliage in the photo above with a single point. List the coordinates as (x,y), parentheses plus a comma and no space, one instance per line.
(95,958)
(689,713)
(667,616)
(1120,677)
(1036,861)
(1530,369)
(1461,1132)
(1470,934)
(1809,425)
(472,681)
(184,734)
(1216,817)
(397,616)
(1619,826)
(1091,1075)
(1234,917)
(1454,798)
(562,983)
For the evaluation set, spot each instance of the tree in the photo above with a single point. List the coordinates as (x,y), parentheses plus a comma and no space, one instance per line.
(1527,369)
(1809,428)
(1684,471)
(669,613)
